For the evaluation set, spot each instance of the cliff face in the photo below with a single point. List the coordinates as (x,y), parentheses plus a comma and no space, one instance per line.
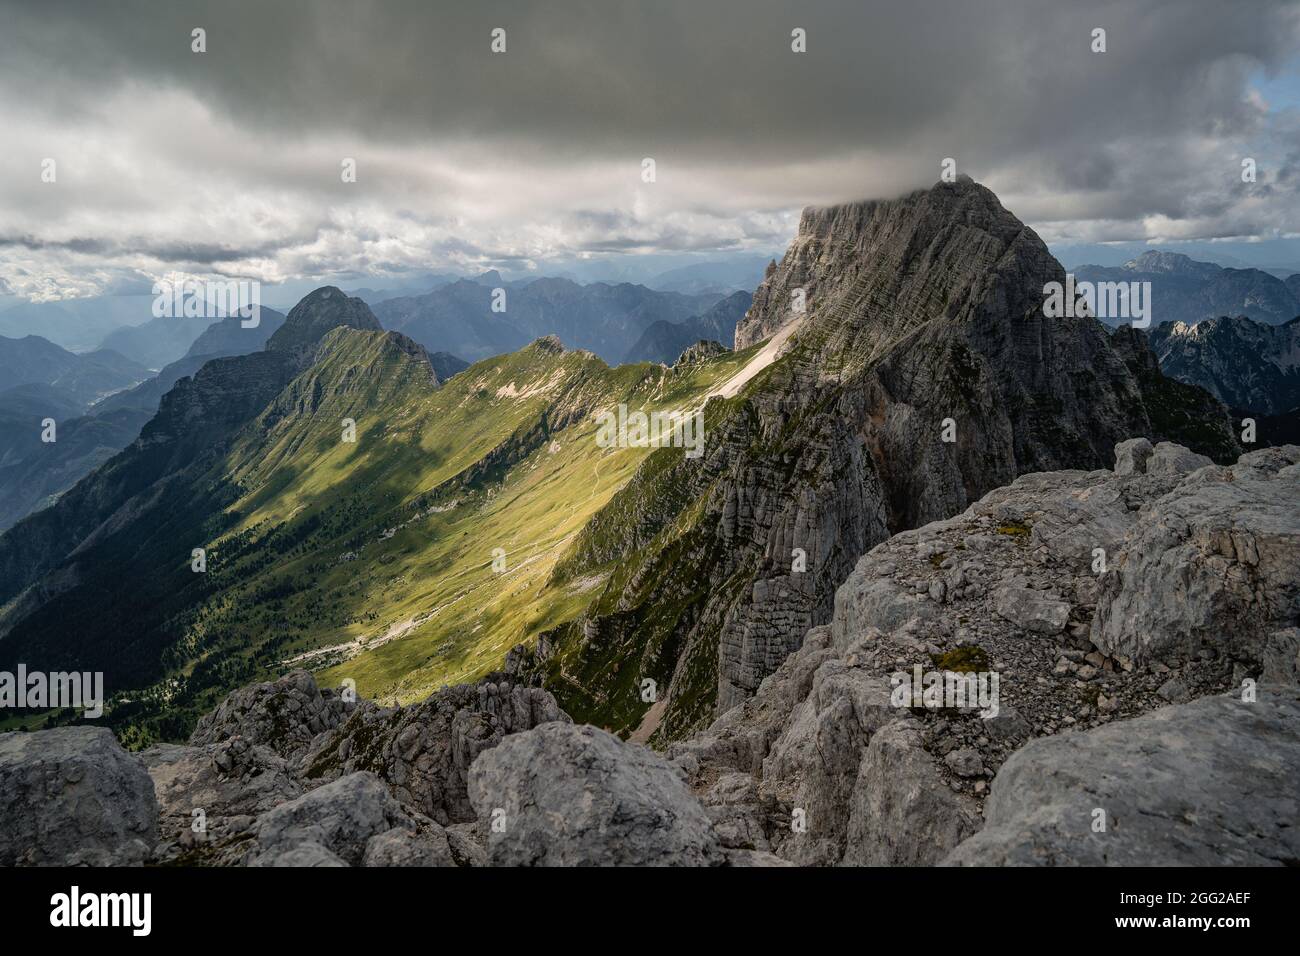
(1243,363)
(923,322)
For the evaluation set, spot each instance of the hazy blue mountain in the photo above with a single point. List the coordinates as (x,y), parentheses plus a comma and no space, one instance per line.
(721,277)
(76,324)
(83,378)
(602,318)
(158,341)
(1188,291)
(228,336)
(665,341)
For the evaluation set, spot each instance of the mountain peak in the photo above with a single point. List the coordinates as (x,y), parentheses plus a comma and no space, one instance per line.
(316,314)
(915,258)
(548,343)
(1172,263)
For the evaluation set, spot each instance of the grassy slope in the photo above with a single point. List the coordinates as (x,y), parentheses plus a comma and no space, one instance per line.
(417,604)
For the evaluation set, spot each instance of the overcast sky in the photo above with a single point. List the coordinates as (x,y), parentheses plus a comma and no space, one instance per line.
(228,162)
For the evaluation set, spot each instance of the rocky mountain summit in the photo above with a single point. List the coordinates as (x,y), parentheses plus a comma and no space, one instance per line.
(917,372)
(1188,291)
(1140,621)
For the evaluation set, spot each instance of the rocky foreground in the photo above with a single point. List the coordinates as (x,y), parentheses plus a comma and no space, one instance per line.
(1141,624)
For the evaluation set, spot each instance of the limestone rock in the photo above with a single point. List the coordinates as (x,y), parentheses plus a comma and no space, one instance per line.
(1212,562)
(903,813)
(1131,456)
(1170,458)
(354,819)
(570,795)
(72,796)
(229,784)
(283,715)
(424,751)
(1032,611)
(1208,783)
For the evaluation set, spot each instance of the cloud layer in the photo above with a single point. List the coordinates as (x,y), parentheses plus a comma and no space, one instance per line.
(229,161)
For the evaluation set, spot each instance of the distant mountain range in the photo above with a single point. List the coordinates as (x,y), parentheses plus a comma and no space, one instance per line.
(1244,363)
(82,378)
(1185,290)
(664,341)
(359,515)
(46,382)
(99,401)
(601,318)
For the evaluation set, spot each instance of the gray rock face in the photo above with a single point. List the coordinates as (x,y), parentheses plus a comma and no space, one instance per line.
(1212,562)
(355,821)
(903,813)
(1010,588)
(919,310)
(211,796)
(424,751)
(284,715)
(1032,610)
(1131,456)
(73,797)
(567,795)
(1209,783)
(1168,458)
(1241,362)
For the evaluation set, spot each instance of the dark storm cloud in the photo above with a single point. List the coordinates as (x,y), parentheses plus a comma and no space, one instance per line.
(652,78)
(524,153)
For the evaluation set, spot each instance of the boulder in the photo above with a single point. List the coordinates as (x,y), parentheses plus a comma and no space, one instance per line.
(1168,458)
(73,797)
(1131,456)
(1207,783)
(424,751)
(1032,610)
(284,715)
(353,819)
(1212,562)
(902,811)
(569,795)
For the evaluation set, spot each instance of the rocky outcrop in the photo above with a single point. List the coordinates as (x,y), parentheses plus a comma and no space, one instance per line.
(353,821)
(701,350)
(835,761)
(920,373)
(279,774)
(1212,564)
(424,751)
(1209,783)
(566,795)
(284,715)
(1243,363)
(73,797)
(210,796)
